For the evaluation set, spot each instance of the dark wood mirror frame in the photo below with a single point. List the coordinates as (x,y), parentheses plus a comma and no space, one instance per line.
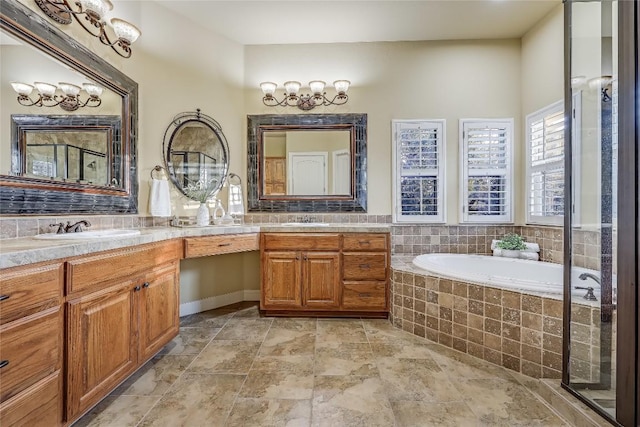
(259,202)
(32,196)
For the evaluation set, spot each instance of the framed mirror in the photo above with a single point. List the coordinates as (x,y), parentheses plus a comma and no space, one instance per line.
(307,163)
(96,141)
(196,155)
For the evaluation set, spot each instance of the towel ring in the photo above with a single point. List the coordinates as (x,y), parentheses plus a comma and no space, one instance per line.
(157,168)
(233,175)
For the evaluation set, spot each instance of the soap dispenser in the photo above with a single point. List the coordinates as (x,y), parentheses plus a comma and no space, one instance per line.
(218,212)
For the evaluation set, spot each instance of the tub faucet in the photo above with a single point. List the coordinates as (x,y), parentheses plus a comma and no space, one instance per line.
(77,227)
(585,276)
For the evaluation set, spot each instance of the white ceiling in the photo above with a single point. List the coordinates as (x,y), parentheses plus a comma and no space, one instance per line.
(340,21)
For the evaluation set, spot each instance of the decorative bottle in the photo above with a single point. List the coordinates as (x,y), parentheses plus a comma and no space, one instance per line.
(218,212)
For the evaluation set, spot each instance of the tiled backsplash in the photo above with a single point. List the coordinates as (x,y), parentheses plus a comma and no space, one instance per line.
(405,239)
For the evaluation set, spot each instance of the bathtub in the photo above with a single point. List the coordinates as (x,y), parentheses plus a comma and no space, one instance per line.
(524,275)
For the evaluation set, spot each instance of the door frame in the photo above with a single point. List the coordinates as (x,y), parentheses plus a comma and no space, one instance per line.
(334,159)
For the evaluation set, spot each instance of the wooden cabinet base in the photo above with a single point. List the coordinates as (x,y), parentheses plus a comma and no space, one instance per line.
(334,314)
(38,406)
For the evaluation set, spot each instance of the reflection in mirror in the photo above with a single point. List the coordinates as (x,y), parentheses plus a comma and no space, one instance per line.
(314,162)
(196,155)
(81,161)
(307,163)
(81,149)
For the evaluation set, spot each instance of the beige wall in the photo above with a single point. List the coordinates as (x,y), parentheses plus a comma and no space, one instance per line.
(450,80)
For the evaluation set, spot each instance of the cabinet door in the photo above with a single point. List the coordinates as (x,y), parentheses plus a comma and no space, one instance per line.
(281,280)
(102,349)
(159,317)
(321,279)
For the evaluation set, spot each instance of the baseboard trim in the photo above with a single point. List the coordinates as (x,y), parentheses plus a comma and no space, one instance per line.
(218,301)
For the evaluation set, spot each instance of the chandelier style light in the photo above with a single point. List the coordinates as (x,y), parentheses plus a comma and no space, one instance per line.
(89,13)
(305,102)
(69,100)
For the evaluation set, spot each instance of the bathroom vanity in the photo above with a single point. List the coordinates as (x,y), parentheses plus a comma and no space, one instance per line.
(78,317)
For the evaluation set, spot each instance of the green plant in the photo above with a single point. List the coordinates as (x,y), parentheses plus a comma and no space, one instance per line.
(201,191)
(512,242)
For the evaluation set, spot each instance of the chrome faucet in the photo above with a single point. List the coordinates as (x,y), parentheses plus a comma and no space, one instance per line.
(77,227)
(590,296)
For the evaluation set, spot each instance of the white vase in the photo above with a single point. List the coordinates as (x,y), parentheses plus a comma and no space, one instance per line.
(202,218)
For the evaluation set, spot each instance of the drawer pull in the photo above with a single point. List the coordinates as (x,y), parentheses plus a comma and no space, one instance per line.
(3,363)
(364,294)
(364,242)
(145,285)
(223,244)
(4,297)
(137,288)
(365,266)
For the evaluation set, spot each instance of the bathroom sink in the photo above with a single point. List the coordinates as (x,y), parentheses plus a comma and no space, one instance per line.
(305,224)
(88,235)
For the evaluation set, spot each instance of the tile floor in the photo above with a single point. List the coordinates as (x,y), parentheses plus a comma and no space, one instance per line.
(229,367)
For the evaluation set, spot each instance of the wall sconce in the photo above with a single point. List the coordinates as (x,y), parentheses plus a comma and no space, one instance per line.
(69,100)
(305,102)
(93,10)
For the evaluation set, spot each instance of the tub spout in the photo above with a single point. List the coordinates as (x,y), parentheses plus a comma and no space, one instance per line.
(585,276)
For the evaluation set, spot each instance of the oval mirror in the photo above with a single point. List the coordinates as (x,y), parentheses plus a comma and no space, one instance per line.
(196,155)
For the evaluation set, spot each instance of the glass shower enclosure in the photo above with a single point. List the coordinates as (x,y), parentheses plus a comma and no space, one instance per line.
(600,334)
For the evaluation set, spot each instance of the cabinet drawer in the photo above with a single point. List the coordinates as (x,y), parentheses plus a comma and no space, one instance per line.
(30,349)
(365,242)
(364,296)
(216,245)
(365,266)
(90,271)
(28,290)
(301,242)
(38,406)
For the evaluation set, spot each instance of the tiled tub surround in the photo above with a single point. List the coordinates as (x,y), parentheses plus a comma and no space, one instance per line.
(519,331)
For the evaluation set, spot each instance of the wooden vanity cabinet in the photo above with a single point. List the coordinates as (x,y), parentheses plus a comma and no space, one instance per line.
(31,345)
(300,271)
(325,273)
(122,309)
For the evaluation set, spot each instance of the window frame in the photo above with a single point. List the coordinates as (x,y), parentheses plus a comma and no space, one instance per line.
(440,175)
(507,216)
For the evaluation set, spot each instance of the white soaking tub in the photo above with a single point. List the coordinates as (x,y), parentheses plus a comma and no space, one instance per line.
(506,273)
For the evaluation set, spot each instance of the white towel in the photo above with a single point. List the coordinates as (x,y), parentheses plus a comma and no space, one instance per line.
(235,205)
(159,198)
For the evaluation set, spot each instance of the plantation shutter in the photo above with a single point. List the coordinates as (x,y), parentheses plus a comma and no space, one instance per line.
(418,163)
(486,167)
(546,163)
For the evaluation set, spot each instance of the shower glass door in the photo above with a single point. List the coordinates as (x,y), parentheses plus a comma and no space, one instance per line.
(591,228)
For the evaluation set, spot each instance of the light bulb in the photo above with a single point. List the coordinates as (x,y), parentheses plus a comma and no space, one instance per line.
(342,86)
(22,88)
(46,89)
(292,87)
(125,31)
(69,89)
(98,7)
(92,89)
(317,86)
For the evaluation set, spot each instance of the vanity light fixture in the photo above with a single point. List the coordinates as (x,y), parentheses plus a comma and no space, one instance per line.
(89,14)
(69,100)
(305,102)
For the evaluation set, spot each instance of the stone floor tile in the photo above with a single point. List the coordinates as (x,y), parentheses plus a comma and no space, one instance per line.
(278,385)
(244,330)
(416,380)
(282,341)
(207,319)
(459,365)
(403,350)
(350,401)
(341,330)
(336,358)
(118,411)
(196,400)
(505,403)
(190,341)
(450,414)
(297,364)
(270,413)
(308,324)
(235,357)
(156,376)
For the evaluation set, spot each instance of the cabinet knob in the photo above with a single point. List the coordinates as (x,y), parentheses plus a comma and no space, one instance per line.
(364,295)
(3,363)
(4,297)
(145,285)
(364,242)
(297,257)
(305,258)
(137,288)
(224,244)
(365,266)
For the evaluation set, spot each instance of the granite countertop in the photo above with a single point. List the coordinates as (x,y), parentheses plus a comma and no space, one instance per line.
(27,250)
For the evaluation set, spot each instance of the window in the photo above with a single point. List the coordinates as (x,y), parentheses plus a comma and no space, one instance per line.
(545,165)
(487,172)
(418,162)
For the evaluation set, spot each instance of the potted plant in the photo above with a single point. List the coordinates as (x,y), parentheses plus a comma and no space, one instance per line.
(511,245)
